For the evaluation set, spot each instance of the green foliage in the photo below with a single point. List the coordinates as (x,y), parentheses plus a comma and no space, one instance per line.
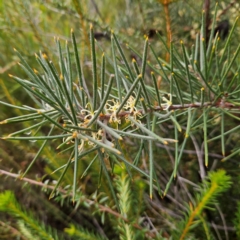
(81,233)
(62,98)
(211,188)
(124,134)
(237,220)
(28,226)
(125,204)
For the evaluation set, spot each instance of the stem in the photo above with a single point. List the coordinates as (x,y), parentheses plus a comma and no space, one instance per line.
(168,25)
(90,202)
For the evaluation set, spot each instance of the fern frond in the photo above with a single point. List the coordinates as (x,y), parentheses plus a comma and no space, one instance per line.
(211,188)
(26,231)
(125,203)
(9,204)
(127,232)
(122,184)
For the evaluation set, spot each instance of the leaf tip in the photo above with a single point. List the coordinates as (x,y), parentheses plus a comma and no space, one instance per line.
(51,196)
(44,55)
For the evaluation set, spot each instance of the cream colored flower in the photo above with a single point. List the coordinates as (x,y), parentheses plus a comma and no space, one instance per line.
(130,106)
(168,103)
(112,109)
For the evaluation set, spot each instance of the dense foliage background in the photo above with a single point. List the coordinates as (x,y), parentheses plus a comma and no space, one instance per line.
(30,27)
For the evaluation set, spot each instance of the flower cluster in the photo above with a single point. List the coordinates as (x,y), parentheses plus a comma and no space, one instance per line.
(97,136)
(112,109)
(88,115)
(168,102)
(130,106)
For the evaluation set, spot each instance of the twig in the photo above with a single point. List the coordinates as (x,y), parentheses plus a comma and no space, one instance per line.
(79,10)
(215,155)
(97,9)
(14,231)
(199,157)
(207,17)
(227,8)
(168,25)
(101,207)
(223,221)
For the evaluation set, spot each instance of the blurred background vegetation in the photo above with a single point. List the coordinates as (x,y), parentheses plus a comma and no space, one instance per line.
(30,26)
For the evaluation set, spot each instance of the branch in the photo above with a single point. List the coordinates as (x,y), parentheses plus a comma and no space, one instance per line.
(218,104)
(13,230)
(101,207)
(227,8)
(168,25)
